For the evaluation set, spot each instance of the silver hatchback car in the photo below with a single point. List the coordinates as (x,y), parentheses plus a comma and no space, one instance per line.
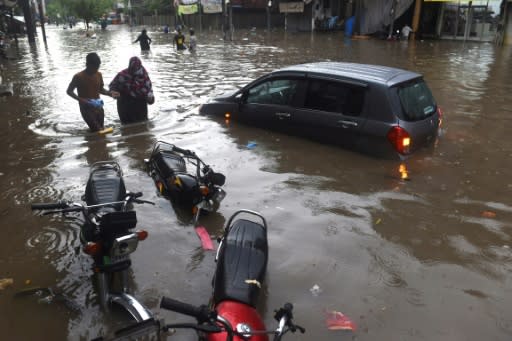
(373,109)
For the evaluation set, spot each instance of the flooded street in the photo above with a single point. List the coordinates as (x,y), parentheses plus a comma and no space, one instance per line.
(427,258)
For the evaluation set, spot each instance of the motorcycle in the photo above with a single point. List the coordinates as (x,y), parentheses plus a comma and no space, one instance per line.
(107,234)
(167,166)
(241,260)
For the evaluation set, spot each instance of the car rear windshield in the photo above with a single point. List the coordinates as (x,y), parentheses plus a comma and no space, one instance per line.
(417,100)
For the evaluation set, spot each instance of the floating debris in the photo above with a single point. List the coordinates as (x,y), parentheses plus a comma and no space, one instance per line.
(315,290)
(336,320)
(6,282)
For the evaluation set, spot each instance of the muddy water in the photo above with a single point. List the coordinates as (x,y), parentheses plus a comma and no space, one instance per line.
(427,258)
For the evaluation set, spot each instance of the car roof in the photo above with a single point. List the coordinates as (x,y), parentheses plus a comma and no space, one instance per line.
(363,72)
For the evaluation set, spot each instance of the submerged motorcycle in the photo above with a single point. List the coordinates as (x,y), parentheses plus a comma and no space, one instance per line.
(241,259)
(107,234)
(198,190)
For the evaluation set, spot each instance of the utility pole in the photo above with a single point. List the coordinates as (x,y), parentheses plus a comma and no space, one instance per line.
(224,18)
(416,19)
(269,5)
(392,17)
(41,19)
(29,21)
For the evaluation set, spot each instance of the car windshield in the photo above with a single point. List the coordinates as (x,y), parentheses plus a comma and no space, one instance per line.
(417,100)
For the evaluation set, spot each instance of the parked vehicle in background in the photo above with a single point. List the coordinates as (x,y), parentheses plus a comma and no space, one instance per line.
(374,109)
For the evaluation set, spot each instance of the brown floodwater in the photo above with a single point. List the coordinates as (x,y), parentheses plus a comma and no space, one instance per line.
(427,258)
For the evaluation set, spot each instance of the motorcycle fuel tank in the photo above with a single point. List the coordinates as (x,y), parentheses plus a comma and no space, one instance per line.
(242,317)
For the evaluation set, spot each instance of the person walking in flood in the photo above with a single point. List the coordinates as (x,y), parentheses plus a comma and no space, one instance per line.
(144,40)
(179,40)
(135,90)
(192,45)
(89,86)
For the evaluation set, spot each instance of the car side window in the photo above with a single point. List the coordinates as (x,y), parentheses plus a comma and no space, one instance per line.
(276,91)
(334,97)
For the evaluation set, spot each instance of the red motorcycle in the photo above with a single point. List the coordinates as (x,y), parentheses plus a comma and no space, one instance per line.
(241,265)
(231,316)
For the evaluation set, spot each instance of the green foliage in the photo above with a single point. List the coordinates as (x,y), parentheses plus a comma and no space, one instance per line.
(58,9)
(88,10)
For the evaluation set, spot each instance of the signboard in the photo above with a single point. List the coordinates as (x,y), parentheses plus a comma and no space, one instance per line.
(212,6)
(291,7)
(187,9)
(249,3)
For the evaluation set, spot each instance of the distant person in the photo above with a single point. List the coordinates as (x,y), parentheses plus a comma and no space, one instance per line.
(89,86)
(406,31)
(179,40)
(3,46)
(166,28)
(192,45)
(144,40)
(135,90)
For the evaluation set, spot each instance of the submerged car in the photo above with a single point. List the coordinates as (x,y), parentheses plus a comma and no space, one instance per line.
(373,109)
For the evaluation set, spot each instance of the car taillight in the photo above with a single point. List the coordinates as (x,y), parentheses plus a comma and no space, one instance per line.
(440,113)
(92,248)
(141,235)
(400,139)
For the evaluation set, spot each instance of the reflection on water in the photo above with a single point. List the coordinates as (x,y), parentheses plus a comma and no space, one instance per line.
(382,250)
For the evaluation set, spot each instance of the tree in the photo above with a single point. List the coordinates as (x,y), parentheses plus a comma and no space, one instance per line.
(58,9)
(90,10)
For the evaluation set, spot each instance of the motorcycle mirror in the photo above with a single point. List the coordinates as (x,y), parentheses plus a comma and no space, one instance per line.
(218,179)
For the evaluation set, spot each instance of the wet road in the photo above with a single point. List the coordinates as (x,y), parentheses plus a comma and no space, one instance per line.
(423,259)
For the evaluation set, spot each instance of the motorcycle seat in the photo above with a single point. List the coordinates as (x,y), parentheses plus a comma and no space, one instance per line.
(104,185)
(168,163)
(242,263)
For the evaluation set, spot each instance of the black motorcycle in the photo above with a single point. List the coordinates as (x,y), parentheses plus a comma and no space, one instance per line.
(107,234)
(199,189)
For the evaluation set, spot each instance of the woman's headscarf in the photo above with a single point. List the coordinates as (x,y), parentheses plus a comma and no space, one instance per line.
(133,81)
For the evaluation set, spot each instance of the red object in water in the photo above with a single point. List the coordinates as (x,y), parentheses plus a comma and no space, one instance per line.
(206,241)
(337,321)
(236,313)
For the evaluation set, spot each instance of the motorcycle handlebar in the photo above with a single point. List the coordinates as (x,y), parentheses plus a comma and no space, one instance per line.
(49,206)
(201,313)
(135,195)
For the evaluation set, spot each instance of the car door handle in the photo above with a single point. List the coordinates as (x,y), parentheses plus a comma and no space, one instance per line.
(347,123)
(282,115)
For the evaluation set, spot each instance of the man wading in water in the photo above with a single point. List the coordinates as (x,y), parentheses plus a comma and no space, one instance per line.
(89,85)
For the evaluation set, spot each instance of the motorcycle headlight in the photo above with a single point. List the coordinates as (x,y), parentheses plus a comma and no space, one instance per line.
(219,195)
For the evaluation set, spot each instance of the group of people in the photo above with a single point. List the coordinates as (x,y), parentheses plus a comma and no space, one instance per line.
(131,87)
(178,41)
